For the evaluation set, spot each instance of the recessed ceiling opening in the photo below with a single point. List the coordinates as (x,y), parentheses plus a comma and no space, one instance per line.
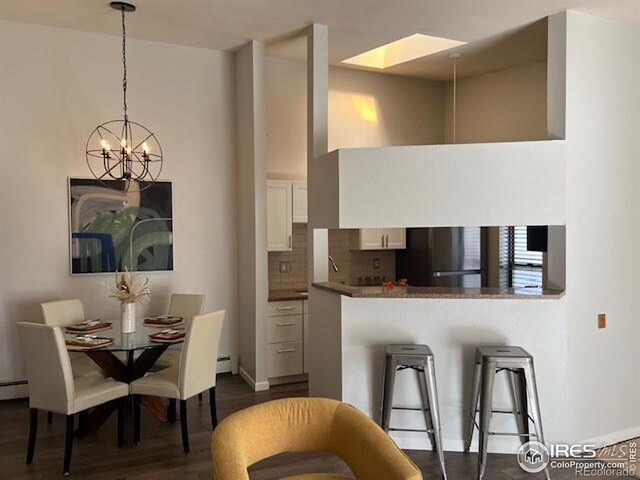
(403,50)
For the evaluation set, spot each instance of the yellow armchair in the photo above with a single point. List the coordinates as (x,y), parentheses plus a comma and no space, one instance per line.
(303,425)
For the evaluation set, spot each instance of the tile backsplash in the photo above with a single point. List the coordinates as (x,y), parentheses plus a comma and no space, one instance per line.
(353,264)
(297,277)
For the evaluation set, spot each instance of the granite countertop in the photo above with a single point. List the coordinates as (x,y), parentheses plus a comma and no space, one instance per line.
(284,295)
(441,292)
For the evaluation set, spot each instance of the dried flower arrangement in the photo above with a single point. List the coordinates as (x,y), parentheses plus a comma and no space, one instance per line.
(131,288)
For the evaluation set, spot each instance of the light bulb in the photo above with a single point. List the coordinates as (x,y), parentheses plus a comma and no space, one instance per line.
(104,144)
(145,148)
(123,142)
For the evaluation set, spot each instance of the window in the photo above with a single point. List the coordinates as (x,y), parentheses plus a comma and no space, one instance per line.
(519,267)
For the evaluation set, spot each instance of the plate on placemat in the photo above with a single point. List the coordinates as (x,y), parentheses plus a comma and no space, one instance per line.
(168,335)
(88,326)
(87,342)
(162,321)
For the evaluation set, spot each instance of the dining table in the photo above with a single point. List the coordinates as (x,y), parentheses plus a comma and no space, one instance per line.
(130,356)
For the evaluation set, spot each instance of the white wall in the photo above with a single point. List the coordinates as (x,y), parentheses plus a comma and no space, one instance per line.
(440,186)
(55,86)
(407,112)
(499,106)
(603,227)
(452,328)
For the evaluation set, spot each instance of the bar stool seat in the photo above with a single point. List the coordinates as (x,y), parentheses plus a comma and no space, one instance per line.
(518,364)
(419,358)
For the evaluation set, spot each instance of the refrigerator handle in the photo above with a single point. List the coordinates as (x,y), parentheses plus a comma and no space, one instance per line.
(454,273)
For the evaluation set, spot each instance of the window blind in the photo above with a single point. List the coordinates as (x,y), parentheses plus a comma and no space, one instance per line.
(519,267)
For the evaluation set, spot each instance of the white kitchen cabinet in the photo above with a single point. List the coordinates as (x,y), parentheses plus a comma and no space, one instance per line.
(368,239)
(285,338)
(299,202)
(396,238)
(279,216)
(284,359)
(378,239)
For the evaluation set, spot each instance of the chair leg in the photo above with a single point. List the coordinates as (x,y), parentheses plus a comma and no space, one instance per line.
(82,424)
(68,445)
(183,426)
(122,405)
(171,411)
(429,376)
(212,406)
(475,396)
(387,403)
(488,375)
(49,417)
(33,429)
(136,419)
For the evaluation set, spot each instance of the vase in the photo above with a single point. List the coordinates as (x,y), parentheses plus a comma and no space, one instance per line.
(128,317)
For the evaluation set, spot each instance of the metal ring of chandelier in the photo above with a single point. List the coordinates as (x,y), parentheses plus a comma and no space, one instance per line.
(122,154)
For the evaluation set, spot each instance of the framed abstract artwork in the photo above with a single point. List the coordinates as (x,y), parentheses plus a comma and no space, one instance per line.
(112,230)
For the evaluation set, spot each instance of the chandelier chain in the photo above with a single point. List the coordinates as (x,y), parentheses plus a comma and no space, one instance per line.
(124,65)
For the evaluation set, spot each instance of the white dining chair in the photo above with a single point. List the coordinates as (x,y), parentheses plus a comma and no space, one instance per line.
(195,373)
(183,305)
(63,313)
(52,386)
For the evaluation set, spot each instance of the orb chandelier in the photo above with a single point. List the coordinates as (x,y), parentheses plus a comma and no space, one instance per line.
(122,154)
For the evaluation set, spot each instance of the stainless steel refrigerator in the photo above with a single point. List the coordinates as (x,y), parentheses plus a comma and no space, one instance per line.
(444,257)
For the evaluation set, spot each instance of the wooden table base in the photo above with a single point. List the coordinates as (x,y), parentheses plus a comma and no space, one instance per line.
(132,370)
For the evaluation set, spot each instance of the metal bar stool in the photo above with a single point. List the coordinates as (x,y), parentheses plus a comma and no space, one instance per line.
(519,366)
(420,359)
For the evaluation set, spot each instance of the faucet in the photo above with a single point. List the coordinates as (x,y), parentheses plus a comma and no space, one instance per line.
(333,264)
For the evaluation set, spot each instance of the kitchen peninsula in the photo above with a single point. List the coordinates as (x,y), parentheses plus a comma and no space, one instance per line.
(357,322)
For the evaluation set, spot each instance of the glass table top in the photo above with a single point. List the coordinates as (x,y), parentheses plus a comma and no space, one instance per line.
(124,342)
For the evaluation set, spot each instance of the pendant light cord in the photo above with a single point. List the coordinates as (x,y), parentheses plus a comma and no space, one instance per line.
(124,66)
(454,57)
(455,96)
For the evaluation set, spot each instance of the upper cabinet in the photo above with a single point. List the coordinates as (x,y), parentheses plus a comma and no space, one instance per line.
(299,202)
(286,204)
(279,216)
(379,239)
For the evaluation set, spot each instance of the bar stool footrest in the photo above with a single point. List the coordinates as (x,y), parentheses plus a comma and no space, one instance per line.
(430,430)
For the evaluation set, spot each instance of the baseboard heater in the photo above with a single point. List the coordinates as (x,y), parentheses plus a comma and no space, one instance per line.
(13,383)
(225,365)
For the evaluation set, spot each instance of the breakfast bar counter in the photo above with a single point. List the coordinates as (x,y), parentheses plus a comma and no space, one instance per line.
(439,292)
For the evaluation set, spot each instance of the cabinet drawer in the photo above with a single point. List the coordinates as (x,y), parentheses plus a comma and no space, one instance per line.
(285,328)
(292,307)
(284,359)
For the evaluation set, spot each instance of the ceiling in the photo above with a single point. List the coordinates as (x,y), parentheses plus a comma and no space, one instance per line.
(354,25)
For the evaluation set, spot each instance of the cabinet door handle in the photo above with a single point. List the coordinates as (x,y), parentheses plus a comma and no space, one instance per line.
(286,350)
(289,241)
(285,324)
(285,308)
(387,241)
(383,241)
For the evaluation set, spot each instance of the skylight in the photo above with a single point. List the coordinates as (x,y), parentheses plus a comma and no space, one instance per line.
(403,50)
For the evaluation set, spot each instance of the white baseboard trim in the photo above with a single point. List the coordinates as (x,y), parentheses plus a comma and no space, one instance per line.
(256,386)
(614,437)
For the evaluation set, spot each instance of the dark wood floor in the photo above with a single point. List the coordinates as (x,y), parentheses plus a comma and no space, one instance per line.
(160,457)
